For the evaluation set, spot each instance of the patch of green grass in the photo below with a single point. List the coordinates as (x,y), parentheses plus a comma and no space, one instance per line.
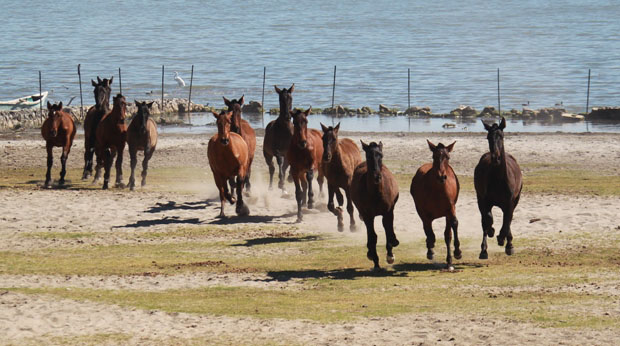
(571,182)
(59,235)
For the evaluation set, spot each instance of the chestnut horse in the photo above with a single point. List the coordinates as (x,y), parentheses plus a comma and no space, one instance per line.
(340,157)
(91,121)
(228,158)
(141,135)
(498,182)
(278,134)
(58,130)
(304,155)
(246,131)
(374,191)
(435,190)
(111,139)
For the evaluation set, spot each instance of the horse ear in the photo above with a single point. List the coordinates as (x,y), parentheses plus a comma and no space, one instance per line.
(215,114)
(337,128)
(93,83)
(98,79)
(502,124)
(450,147)
(226,101)
(308,111)
(277,89)
(323,127)
(364,145)
(60,106)
(242,100)
(292,88)
(49,105)
(136,102)
(110,80)
(381,145)
(486,126)
(150,104)
(431,145)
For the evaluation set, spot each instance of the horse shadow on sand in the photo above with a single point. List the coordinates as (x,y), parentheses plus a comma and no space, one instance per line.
(277,240)
(167,220)
(397,270)
(172,205)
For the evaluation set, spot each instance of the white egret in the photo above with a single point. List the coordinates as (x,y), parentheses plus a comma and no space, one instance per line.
(179,80)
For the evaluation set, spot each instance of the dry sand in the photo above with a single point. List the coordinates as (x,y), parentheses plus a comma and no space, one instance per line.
(27,317)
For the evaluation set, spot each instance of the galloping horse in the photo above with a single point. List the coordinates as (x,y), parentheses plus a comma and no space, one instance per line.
(498,182)
(278,134)
(91,121)
(228,158)
(141,135)
(435,190)
(304,155)
(246,131)
(111,139)
(340,157)
(375,191)
(58,130)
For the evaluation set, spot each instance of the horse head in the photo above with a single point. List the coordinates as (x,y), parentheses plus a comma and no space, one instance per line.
(144,113)
(495,137)
(102,91)
(374,159)
(441,156)
(330,141)
(54,113)
(286,99)
(120,105)
(300,127)
(234,106)
(223,126)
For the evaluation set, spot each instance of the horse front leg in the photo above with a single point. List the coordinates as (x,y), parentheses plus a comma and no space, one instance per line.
(50,161)
(107,162)
(352,226)
(430,237)
(247,185)
(371,243)
(454,224)
(148,153)
(390,236)
(309,177)
(63,162)
(330,205)
(487,227)
(119,166)
(280,161)
(220,183)
(241,209)
(447,236)
(100,157)
(88,161)
(133,161)
(505,231)
(272,168)
(298,196)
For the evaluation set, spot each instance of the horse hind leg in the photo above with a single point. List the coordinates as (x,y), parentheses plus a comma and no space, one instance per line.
(119,167)
(371,243)
(506,233)
(107,162)
(241,208)
(63,170)
(487,227)
(50,161)
(352,226)
(430,237)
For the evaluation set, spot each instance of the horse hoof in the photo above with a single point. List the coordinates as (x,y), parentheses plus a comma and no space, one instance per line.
(491,232)
(429,254)
(500,241)
(105,186)
(510,251)
(119,185)
(483,255)
(61,182)
(132,187)
(299,220)
(458,254)
(47,185)
(143,183)
(310,205)
(243,210)
(340,227)
(377,269)
(290,178)
(450,268)
(390,259)
(353,228)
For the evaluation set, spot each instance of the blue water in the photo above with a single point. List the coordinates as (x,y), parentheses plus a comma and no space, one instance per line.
(453,48)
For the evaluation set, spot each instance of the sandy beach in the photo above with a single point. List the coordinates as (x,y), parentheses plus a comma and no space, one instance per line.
(180,201)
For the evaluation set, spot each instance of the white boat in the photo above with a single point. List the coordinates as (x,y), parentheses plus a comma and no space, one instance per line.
(25,102)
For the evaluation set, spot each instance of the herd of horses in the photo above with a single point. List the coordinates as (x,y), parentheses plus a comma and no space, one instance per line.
(368,185)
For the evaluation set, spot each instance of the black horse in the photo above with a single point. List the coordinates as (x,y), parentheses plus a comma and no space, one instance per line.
(93,117)
(278,134)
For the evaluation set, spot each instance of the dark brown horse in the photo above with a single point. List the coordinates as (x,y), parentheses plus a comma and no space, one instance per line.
(374,191)
(141,135)
(498,182)
(340,157)
(304,155)
(228,158)
(435,190)
(243,128)
(91,121)
(278,134)
(58,130)
(111,139)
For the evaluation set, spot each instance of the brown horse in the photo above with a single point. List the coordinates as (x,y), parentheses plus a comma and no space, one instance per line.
(435,190)
(340,157)
(141,135)
(228,158)
(246,131)
(374,191)
(111,139)
(498,182)
(58,130)
(304,155)
(91,121)
(278,134)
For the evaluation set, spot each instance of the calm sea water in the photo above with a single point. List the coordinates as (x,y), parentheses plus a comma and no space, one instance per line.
(453,48)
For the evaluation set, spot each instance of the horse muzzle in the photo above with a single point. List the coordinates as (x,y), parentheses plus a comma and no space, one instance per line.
(442,178)
(53,133)
(303,144)
(225,141)
(327,157)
